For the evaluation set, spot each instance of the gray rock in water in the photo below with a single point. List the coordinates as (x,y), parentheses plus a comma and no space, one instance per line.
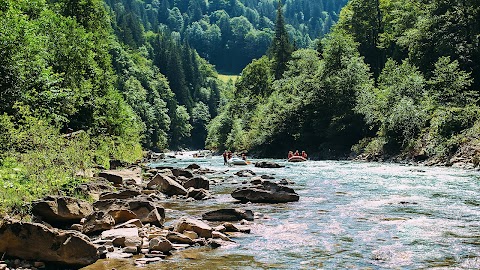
(182,172)
(266,192)
(198,194)
(230,227)
(33,241)
(268,164)
(198,226)
(61,210)
(197,182)
(245,173)
(228,215)
(166,185)
(193,166)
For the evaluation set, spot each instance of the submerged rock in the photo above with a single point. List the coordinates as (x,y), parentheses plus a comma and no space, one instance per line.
(228,215)
(193,166)
(268,164)
(245,173)
(33,241)
(265,192)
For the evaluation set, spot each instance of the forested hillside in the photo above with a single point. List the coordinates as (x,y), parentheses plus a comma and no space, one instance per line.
(394,78)
(228,33)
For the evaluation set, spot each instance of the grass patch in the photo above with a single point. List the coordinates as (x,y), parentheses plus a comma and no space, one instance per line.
(37,160)
(226,78)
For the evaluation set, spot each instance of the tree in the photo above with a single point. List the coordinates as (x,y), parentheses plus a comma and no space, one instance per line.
(363,20)
(281,49)
(200,119)
(180,127)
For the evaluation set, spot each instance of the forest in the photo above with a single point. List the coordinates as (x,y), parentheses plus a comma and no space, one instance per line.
(393,79)
(84,82)
(227,33)
(73,96)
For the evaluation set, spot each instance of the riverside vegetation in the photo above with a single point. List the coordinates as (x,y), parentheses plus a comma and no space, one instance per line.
(393,80)
(79,88)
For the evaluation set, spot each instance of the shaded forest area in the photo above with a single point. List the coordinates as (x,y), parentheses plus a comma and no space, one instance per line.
(394,78)
(227,33)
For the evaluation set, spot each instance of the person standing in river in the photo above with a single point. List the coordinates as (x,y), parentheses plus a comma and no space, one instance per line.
(225,157)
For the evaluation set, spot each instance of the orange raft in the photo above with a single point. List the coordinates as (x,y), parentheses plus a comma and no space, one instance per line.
(297,159)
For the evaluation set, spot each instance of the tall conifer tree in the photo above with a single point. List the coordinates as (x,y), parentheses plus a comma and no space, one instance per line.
(281,48)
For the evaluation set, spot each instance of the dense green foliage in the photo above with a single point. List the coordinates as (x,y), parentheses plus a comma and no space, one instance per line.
(73,95)
(57,76)
(228,33)
(394,77)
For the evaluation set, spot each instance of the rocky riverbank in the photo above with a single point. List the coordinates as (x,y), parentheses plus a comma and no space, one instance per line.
(123,216)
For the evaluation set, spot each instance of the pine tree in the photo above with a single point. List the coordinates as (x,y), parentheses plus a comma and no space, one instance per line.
(281,49)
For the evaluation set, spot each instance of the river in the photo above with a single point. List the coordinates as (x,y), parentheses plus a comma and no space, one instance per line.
(351,215)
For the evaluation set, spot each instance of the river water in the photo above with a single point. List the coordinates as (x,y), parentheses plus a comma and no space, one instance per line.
(351,215)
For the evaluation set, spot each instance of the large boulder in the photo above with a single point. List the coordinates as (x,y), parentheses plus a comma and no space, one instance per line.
(268,164)
(146,211)
(124,237)
(160,244)
(179,238)
(229,214)
(98,221)
(166,185)
(265,192)
(33,241)
(61,210)
(197,226)
(122,215)
(197,182)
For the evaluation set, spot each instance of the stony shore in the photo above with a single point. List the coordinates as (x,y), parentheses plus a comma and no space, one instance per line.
(123,216)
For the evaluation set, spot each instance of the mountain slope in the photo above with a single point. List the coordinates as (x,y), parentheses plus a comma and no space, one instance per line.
(229,34)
